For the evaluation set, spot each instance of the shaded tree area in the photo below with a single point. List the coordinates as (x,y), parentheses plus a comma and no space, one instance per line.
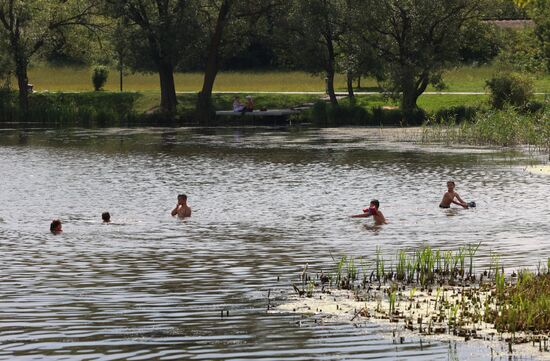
(404,44)
(162,34)
(230,27)
(310,32)
(417,40)
(539,11)
(32,25)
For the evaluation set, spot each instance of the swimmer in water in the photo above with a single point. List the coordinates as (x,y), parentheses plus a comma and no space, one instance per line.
(106,216)
(373,211)
(55,227)
(182,210)
(450,196)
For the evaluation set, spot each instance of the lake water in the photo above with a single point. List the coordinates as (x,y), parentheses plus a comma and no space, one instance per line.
(265,202)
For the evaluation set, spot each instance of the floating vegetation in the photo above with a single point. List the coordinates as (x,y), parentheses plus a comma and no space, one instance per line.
(434,292)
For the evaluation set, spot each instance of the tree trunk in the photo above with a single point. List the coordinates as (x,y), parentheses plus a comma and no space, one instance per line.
(168,99)
(330,72)
(121,71)
(408,101)
(351,95)
(409,94)
(359,82)
(22,82)
(204,103)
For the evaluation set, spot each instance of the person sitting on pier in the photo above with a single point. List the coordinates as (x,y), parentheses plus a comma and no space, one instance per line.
(449,198)
(249,104)
(237,105)
(373,211)
(182,210)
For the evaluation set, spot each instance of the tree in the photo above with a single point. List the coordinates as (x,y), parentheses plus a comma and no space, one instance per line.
(5,65)
(213,59)
(417,40)
(31,24)
(164,33)
(312,31)
(539,10)
(230,25)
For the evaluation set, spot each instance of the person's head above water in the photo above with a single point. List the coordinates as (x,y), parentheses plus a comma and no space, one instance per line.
(375,203)
(55,226)
(182,198)
(106,216)
(450,185)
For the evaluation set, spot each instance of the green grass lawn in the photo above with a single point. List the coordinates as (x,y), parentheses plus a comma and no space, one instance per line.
(79,79)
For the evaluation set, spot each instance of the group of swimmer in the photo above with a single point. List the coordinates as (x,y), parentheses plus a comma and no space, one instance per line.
(450,197)
(182,209)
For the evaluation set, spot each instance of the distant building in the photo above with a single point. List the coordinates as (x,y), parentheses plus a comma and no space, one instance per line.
(512,24)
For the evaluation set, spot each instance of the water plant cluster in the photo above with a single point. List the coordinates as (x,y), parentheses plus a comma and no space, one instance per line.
(435,291)
(508,127)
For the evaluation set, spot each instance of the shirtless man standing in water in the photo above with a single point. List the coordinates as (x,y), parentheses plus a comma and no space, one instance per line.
(449,198)
(182,210)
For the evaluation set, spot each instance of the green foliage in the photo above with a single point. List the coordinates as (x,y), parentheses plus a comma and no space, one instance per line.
(539,10)
(522,52)
(525,306)
(510,89)
(417,41)
(504,9)
(508,127)
(480,42)
(72,109)
(456,114)
(99,77)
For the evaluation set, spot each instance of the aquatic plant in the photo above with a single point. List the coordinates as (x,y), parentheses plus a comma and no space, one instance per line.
(472,249)
(520,303)
(400,271)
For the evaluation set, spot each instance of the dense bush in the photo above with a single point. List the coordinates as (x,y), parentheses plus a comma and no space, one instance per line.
(74,109)
(481,43)
(522,52)
(325,114)
(99,77)
(510,89)
(456,114)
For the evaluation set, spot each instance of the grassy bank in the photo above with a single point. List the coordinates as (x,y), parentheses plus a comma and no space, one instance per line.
(79,79)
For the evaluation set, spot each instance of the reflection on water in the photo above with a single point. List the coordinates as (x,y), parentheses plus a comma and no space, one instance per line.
(264,202)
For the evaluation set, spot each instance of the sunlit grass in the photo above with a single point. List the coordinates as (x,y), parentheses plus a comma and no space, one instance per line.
(79,79)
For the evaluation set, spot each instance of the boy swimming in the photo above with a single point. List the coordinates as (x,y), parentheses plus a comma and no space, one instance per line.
(182,210)
(449,198)
(374,211)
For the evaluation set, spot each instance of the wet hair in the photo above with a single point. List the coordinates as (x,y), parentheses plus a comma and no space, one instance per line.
(182,196)
(106,216)
(452,182)
(55,223)
(375,202)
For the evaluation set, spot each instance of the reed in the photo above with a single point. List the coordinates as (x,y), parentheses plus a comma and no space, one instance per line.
(472,250)
(508,127)
(401,267)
